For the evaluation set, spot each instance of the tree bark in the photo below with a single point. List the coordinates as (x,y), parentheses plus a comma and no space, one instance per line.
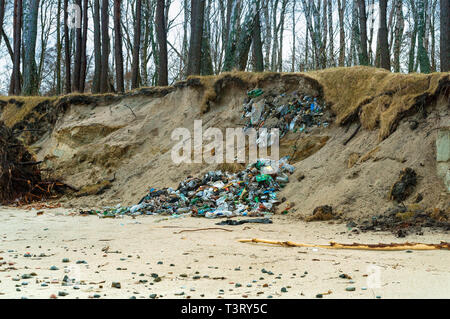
(195,45)
(206,59)
(97,47)
(385,61)
(118,46)
(246,36)
(15,87)
(136,47)
(341,9)
(445,35)
(398,35)
(104,78)
(58,49)
(423,59)
(363,56)
(67,58)
(30,77)
(232,37)
(161,34)
(257,43)
(331,34)
(83,67)
(77,62)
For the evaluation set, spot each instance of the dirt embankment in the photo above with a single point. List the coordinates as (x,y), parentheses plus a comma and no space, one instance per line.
(113,148)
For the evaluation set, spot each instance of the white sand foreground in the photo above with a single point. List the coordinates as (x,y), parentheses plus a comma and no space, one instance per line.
(205,264)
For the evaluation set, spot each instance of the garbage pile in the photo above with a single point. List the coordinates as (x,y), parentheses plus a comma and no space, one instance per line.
(251,192)
(287,112)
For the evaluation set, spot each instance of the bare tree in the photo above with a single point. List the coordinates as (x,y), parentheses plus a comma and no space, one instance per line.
(77,62)
(84,47)
(423,58)
(104,79)
(97,47)
(363,56)
(162,42)
(445,35)
(399,27)
(257,43)
(30,18)
(341,9)
(195,46)
(67,47)
(15,87)
(136,46)
(385,61)
(118,46)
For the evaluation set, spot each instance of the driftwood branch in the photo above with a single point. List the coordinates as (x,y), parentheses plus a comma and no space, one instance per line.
(355,246)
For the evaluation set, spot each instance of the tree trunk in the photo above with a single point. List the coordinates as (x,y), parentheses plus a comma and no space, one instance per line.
(77,62)
(341,9)
(246,35)
(58,49)
(15,88)
(385,61)
(118,46)
(206,59)
(97,47)
(331,33)
(363,56)
(445,35)
(267,34)
(30,16)
(195,45)
(230,51)
(136,47)
(412,49)
(83,67)
(104,78)
(67,47)
(423,59)
(355,42)
(162,42)
(398,35)
(257,44)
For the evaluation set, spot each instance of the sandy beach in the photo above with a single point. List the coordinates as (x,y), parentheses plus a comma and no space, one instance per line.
(161,257)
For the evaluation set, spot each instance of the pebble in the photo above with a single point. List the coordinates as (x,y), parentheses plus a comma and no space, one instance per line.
(283,289)
(62,293)
(116,285)
(65,260)
(350,289)
(319,296)
(54,268)
(153,296)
